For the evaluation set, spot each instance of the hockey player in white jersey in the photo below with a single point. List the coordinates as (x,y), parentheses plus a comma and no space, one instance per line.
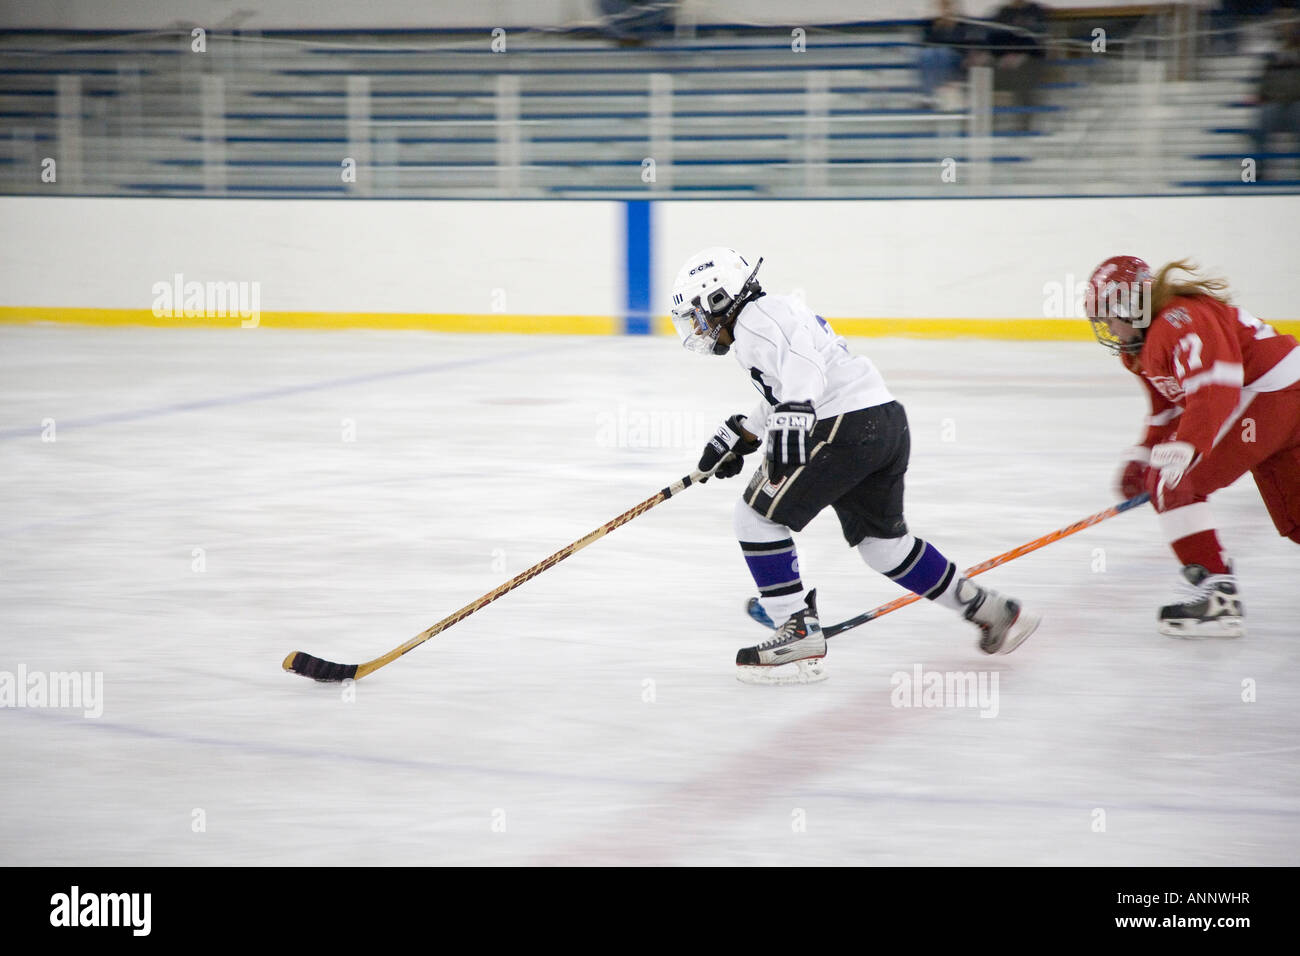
(833,435)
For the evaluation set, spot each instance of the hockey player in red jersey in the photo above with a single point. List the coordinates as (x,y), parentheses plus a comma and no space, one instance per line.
(1225,400)
(834,436)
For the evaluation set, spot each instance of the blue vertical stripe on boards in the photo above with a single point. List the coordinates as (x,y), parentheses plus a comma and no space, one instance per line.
(637,243)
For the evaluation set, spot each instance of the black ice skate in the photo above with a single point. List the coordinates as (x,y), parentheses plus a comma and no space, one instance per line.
(1003,624)
(1213,610)
(793,655)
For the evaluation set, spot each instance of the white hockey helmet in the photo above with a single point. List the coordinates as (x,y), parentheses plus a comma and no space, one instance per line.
(708,288)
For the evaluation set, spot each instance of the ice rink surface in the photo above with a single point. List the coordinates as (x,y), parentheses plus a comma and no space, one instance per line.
(213,500)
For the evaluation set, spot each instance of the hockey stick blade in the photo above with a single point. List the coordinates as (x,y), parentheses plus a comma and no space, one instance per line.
(324,671)
(754,608)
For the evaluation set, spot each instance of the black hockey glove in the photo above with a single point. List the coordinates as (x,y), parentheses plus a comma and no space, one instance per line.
(789,439)
(729,438)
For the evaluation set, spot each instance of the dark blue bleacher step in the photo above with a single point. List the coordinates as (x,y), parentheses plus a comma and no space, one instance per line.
(594,71)
(58,71)
(682,137)
(516,48)
(628,114)
(1236,185)
(559,163)
(88,92)
(720,188)
(199,187)
(565,94)
(1243,155)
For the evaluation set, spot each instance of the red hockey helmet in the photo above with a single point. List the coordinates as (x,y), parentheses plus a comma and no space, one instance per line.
(1119,293)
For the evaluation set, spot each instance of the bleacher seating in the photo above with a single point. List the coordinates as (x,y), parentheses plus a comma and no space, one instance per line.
(747,115)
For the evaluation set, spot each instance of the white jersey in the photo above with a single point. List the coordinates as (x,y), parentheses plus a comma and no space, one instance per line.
(793,355)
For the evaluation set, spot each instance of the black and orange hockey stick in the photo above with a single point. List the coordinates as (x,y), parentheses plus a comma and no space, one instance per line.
(832,629)
(308,666)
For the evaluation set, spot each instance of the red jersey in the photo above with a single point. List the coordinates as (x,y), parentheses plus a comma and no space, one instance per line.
(1202,362)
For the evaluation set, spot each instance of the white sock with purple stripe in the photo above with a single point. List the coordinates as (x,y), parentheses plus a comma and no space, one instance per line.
(773,562)
(915,564)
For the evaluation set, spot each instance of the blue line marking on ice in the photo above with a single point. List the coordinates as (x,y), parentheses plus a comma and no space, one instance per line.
(114,418)
(320,753)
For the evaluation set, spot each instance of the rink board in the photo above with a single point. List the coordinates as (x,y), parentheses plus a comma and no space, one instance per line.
(1001,268)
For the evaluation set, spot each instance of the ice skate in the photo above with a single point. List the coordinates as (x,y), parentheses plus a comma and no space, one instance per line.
(1213,610)
(1004,625)
(793,655)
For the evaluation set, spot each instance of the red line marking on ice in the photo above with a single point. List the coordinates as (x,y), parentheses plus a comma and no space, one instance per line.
(696,810)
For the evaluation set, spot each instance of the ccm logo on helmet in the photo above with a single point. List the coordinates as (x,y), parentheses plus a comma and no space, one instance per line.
(702,265)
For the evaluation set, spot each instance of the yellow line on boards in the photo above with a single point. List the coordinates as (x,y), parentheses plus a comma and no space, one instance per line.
(1026,329)
(1021,329)
(1029,330)
(429,322)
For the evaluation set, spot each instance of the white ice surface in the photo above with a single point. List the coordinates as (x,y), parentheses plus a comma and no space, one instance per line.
(524,735)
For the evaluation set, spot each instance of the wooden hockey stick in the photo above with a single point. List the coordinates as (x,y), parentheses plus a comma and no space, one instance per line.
(322,670)
(991,563)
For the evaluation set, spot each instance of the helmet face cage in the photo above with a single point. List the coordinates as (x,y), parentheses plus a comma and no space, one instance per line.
(694,328)
(704,295)
(1119,290)
(1101,329)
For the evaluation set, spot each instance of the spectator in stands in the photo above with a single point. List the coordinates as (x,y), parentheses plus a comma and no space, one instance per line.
(1018,52)
(943,56)
(632,22)
(1230,18)
(1244,9)
(1279,92)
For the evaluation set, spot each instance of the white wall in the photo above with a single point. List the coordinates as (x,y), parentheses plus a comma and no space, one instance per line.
(312,255)
(319,14)
(987,258)
(858,259)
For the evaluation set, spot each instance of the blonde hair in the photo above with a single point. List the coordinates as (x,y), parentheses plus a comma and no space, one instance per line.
(1164,287)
